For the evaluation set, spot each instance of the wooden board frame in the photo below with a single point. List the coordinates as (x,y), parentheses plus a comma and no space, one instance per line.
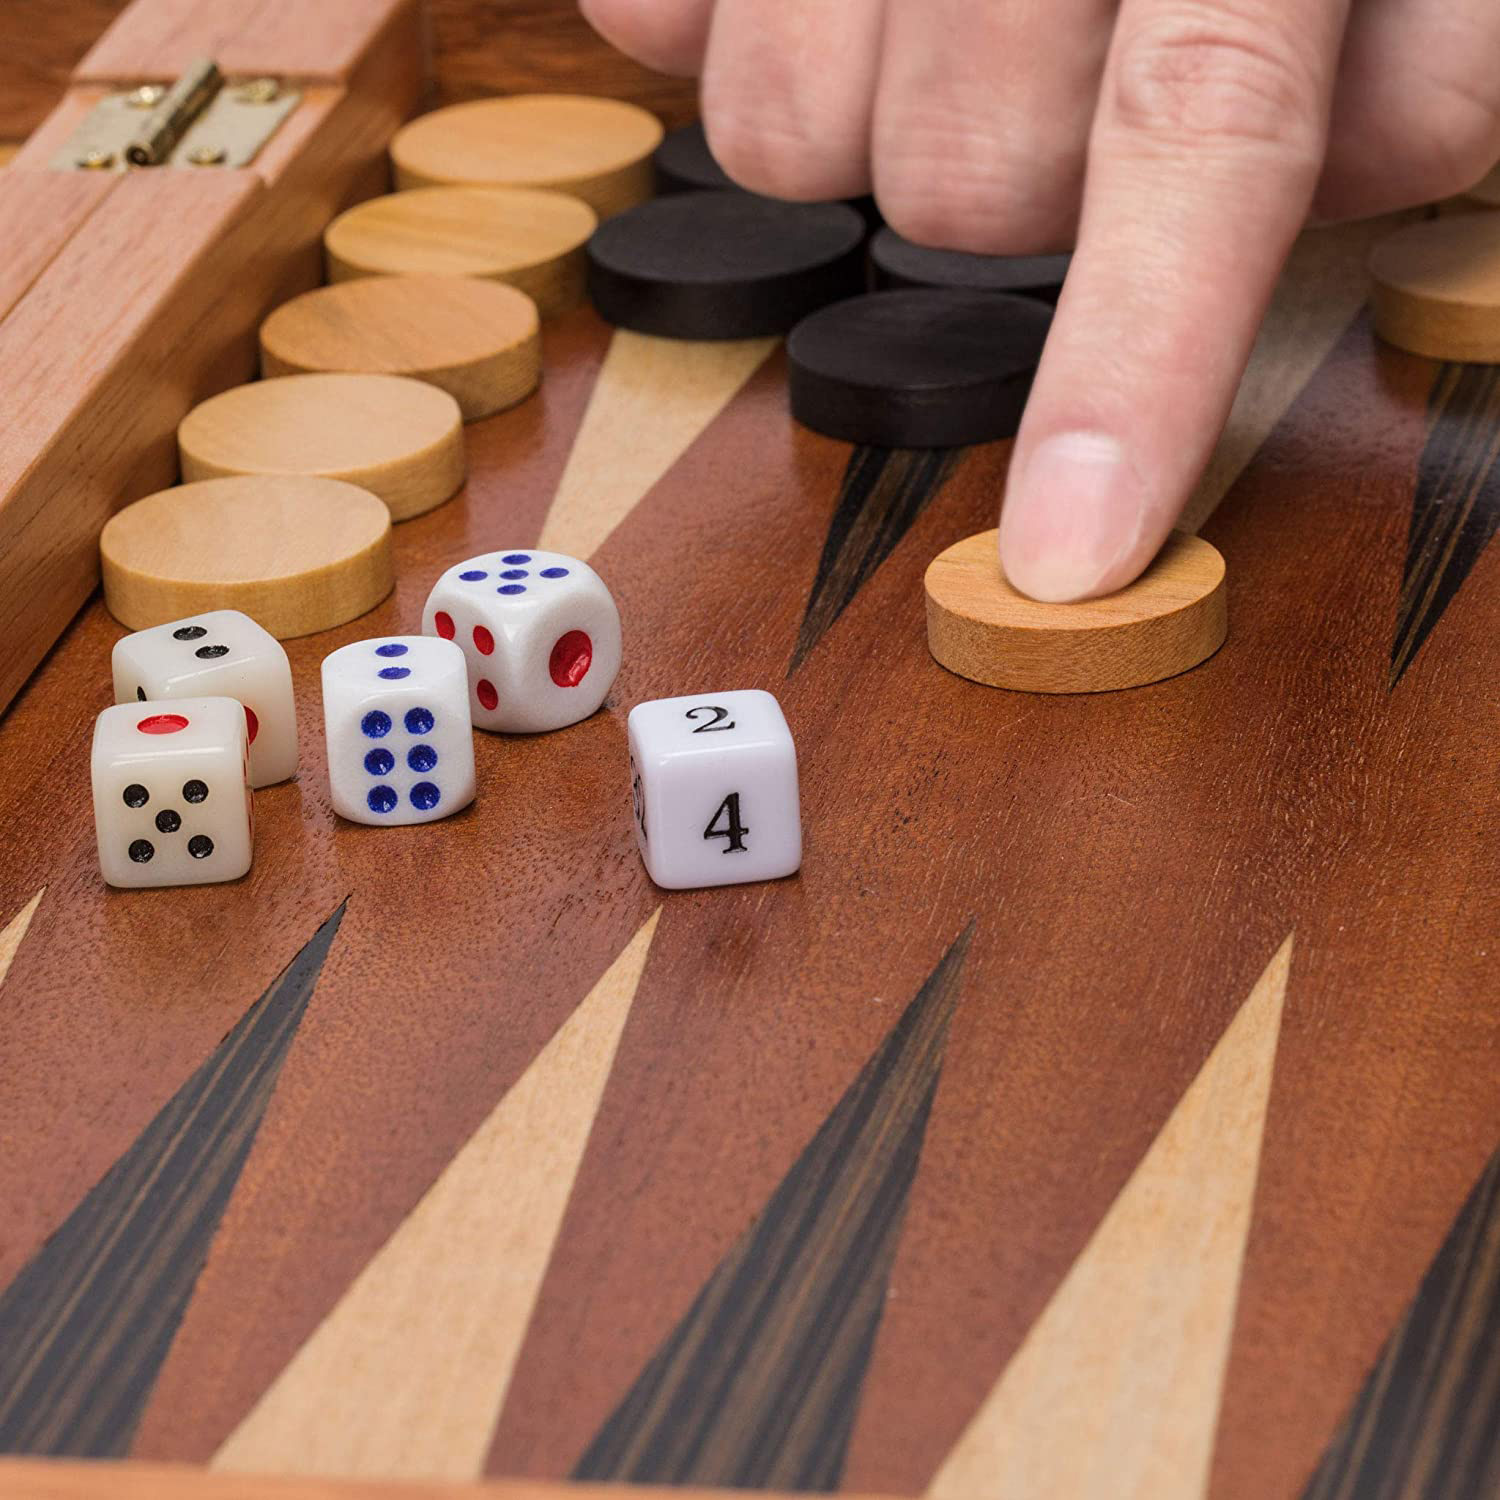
(1064,985)
(137,295)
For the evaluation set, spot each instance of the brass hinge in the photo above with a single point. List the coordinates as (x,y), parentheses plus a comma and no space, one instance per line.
(200,121)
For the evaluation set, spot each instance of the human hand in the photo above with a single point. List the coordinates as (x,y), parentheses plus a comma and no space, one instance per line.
(1182,143)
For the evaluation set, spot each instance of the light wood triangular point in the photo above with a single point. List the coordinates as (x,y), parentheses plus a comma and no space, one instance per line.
(1114,1395)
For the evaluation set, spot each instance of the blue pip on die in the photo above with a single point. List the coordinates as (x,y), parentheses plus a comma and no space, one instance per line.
(541,634)
(400,742)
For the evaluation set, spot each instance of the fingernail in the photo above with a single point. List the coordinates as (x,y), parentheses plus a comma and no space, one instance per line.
(1071,517)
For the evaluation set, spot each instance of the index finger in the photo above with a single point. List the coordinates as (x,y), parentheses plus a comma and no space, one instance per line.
(1204,156)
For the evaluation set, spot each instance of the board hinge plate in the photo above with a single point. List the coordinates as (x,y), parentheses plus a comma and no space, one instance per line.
(201,120)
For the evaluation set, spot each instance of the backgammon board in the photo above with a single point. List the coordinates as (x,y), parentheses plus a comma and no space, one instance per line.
(1108,1108)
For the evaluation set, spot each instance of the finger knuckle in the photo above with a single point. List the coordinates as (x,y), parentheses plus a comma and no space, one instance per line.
(938,185)
(772,152)
(1212,81)
(1457,134)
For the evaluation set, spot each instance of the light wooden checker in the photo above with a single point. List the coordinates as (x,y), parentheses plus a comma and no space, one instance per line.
(525,237)
(1437,288)
(477,340)
(597,149)
(1171,618)
(298,555)
(400,439)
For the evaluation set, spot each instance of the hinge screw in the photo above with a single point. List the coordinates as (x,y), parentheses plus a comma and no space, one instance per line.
(147,96)
(96,160)
(258,91)
(206,156)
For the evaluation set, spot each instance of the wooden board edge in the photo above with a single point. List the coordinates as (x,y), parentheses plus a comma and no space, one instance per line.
(128,1479)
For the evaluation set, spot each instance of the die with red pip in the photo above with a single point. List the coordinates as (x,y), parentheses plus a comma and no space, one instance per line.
(539,631)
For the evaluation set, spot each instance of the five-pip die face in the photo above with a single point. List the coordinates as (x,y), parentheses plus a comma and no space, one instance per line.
(539,631)
(714,789)
(172,792)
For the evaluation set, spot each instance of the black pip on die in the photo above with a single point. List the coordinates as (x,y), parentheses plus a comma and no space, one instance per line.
(713,779)
(400,745)
(172,792)
(222,653)
(540,632)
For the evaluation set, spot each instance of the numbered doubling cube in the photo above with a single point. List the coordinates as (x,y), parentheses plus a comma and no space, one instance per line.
(223,653)
(714,782)
(172,792)
(540,632)
(400,745)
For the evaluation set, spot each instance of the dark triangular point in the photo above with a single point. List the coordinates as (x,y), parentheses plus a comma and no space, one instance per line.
(86,1324)
(758,1385)
(884,491)
(1456,508)
(1427,1423)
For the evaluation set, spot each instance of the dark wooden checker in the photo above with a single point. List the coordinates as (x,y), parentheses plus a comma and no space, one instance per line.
(1108,1108)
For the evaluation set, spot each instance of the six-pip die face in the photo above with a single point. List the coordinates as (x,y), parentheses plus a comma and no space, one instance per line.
(221,653)
(714,789)
(172,792)
(396,716)
(540,632)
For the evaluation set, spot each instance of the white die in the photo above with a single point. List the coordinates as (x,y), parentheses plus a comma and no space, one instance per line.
(714,782)
(172,792)
(400,745)
(540,632)
(222,653)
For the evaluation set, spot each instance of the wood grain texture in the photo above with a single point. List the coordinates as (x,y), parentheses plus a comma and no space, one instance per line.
(1427,1422)
(527,238)
(44,210)
(15,932)
(595,149)
(884,492)
(486,47)
(125,327)
(1456,507)
(297,555)
(158,39)
(1174,616)
(1115,1393)
(652,400)
(405,1377)
(86,1324)
(1132,860)
(401,440)
(758,1385)
(477,340)
(41,43)
(51,1479)
(1437,288)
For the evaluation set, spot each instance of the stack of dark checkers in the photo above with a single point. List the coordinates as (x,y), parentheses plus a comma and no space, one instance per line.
(897,262)
(926,366)
(723,265)
(684,164)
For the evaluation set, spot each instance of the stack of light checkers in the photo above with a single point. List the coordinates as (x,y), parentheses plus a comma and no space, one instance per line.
(431,320)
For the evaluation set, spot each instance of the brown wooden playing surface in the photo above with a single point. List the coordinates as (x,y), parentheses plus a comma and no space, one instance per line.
(1108,1108)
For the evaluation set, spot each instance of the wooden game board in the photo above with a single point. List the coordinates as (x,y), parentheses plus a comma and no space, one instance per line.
(1109,1107)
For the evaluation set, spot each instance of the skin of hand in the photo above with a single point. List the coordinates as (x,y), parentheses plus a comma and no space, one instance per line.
(1180,144)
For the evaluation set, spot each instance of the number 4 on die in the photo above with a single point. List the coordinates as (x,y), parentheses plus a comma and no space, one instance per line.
(713,780)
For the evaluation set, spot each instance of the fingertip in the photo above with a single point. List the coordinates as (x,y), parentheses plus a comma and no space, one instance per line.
(1074,525)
